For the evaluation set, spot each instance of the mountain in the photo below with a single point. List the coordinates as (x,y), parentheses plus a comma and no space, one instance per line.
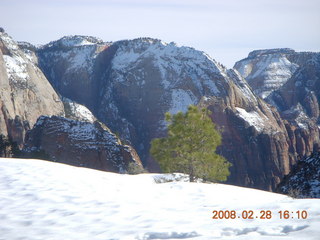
(72,65)
(303,181)
(25,93)
(45,200)
(290,81)
(132,83)
(301,92)
(267,70)
(129,85)
(85,144)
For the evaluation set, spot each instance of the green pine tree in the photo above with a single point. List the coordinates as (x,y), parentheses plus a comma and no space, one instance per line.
(190,146)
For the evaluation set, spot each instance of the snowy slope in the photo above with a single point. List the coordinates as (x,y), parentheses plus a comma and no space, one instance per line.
(174,66)
(267,70)
(77,111)
(44,200)
(16,63)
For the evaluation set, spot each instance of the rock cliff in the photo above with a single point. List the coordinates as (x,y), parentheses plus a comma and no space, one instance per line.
(25,93)
(83,144)
(303,181)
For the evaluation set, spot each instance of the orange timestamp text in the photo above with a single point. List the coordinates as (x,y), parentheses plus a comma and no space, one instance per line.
(263,214)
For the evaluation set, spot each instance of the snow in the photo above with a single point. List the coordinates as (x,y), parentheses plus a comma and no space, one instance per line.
(302,119)
(252,118)
(75,41)
(181,99)
(171,61)
(45,200)
(77,58)
(245,68)
(80,112)
(271,70)
(237,78)
(84,135)
(77,52)
(16,65)
(16,68)
(122,60)
(81,58)
(83,112)
(9,42)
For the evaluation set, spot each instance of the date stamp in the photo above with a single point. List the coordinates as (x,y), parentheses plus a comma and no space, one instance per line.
(263,214)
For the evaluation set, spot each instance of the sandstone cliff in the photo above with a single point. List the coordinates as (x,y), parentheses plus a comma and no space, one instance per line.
(25,93)
(83,144)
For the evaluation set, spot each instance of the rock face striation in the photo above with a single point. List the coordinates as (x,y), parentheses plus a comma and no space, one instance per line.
(25,93)
(131,84)
(303,181)
(83,144)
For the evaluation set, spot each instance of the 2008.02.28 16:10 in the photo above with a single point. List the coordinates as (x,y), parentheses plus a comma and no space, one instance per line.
(263,214)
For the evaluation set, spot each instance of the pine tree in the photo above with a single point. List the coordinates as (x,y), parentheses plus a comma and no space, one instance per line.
(4,146)
(8,148)
(190,146)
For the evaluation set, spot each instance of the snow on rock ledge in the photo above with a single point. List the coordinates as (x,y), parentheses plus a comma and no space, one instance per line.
(78,143)
(252,118)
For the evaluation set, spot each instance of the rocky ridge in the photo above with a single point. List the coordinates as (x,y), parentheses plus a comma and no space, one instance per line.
(303,181)
(82,144)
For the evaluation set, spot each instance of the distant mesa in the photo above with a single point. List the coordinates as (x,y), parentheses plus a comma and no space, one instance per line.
(257,53)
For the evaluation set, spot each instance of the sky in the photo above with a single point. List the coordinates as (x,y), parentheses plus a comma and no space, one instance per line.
(226,29)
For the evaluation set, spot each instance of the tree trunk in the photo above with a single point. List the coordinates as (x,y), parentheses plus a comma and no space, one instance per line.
(191,173)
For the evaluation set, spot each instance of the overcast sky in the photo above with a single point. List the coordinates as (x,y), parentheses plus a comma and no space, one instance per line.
(225,29)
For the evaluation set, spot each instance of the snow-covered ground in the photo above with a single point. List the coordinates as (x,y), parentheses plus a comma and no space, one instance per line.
(44,200)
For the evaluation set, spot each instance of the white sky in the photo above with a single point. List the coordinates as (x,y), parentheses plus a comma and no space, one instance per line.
(225,29)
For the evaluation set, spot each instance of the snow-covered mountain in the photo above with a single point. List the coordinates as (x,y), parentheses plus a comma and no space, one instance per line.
(267,70)
(131,84)
(71,65)
(26,94)
(44,200)
(290,81)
